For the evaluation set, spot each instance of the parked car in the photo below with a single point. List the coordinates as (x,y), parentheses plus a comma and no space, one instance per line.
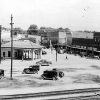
(44,47)
(53,74)
(44,62)
(61,51)
(32,69)
(1,73)
(44,52)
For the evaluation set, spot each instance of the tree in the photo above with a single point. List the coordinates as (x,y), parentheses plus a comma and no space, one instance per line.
(33,29)
(17,30)
(67,29)
(42,27)
(60,28)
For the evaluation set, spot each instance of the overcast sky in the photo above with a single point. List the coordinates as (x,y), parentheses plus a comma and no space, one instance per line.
(74,14)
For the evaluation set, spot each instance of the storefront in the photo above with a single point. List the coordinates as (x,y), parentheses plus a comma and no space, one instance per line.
(21,50)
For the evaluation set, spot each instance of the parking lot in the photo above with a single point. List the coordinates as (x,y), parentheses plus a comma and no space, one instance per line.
(76,70)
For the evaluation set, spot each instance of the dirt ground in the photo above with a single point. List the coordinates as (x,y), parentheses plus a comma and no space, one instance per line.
(76,70)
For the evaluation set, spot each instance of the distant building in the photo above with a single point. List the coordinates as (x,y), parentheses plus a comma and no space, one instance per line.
(6,36)
(82,34)
(42,32)
(35,38)
(81,38)
(22,49)
(61,37)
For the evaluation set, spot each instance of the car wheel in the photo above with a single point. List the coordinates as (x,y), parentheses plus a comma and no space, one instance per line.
(42,77)
(54,78)
(27,71)
(61,74)
(1,76)
(23,72)
(36,72)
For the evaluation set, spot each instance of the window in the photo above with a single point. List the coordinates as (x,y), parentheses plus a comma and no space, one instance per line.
(95,39)
(3,54)
(15,54)
(9,54)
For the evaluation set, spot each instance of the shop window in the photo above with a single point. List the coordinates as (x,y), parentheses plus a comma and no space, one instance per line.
(3,54)
(15,54)
(9,54)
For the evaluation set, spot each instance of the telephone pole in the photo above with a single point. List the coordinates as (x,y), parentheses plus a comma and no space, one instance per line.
(56,48)
(11,46)
(0,44)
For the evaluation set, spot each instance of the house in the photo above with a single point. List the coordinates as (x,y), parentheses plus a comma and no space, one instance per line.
(22,49)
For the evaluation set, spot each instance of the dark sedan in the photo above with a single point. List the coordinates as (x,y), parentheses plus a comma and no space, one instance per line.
(32,69)
(53,74)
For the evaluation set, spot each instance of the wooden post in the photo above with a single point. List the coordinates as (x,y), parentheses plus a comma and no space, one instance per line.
(23,55)
(56,55)
(32,54)
(92,52)
(0,44)
(28,54)
(11,46)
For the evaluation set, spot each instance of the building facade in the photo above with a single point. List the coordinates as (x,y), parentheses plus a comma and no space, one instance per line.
(61,37)
(22,49)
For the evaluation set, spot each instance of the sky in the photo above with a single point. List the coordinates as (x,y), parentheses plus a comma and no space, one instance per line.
(73,14)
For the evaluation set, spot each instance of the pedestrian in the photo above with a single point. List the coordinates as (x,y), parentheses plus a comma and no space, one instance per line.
(66,58)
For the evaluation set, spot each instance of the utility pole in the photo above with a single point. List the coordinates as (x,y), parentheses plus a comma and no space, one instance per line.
(50,46)
(56,48)
(11,46)
(56,55)
(0,44)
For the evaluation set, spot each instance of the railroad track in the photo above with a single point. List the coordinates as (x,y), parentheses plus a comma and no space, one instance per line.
(77,94)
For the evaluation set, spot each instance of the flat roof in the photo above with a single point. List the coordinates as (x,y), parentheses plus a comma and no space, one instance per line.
(22,44)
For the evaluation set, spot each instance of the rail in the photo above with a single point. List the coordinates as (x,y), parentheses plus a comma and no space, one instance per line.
(55,95)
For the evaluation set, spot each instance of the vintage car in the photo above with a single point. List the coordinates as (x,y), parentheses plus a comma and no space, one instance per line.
(53,74)
(1,73)
(32,69)
(44,62)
